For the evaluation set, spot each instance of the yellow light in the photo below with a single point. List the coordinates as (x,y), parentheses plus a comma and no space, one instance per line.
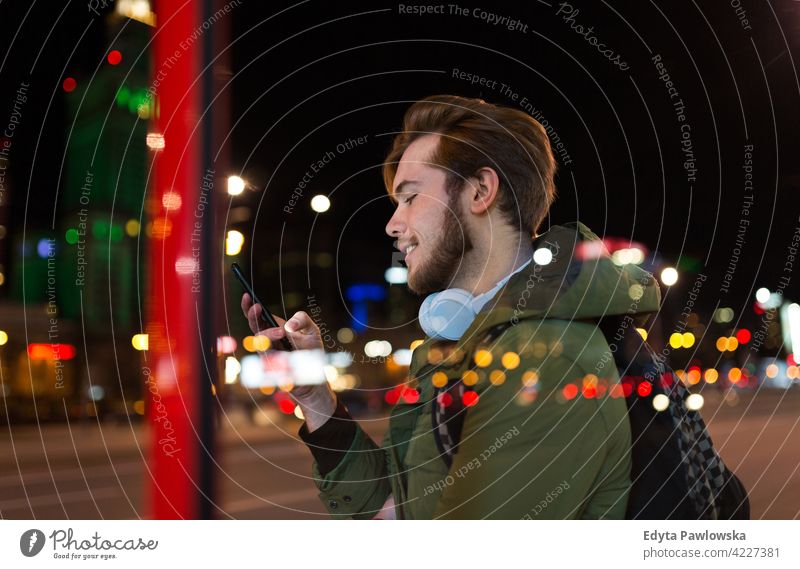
(132,228)
(3,337)
(688,339)
(722,343)
(141,341)
(676,340)
(694,376)
(469,377)
(793,372)
(483,358)
(415,344)
(510,360)
(711,375)
(732,343)
(660,402)
(261,343)
(530,378)
(249,343)
(497,377)
(233,243)
(138,407)
(267,389)
(643,333)
(734,375)
(320,203)
(439,379)
(772,371)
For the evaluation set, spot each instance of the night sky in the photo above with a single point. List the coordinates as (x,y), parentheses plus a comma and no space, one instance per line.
(309,76)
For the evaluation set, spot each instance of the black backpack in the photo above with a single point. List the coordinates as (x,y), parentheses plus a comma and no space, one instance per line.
(676,473)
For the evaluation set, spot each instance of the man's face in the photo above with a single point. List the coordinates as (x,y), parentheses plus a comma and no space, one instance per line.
(428,220)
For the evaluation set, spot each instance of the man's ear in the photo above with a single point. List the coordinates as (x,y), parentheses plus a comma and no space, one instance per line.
(485,187)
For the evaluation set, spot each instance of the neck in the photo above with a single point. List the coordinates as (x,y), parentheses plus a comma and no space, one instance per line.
(484,266)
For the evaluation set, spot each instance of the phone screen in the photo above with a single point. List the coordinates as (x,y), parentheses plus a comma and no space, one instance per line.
(265,315)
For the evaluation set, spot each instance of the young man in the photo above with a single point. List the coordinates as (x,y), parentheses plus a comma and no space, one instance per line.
(516,410)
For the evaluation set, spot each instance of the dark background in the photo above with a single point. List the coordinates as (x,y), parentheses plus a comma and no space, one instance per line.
(309,75)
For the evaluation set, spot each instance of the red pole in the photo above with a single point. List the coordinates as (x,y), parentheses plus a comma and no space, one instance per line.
(182,341)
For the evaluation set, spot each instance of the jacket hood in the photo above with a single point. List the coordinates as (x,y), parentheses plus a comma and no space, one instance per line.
(580,282)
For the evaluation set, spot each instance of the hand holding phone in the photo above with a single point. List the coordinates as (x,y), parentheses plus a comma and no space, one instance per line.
(255,311)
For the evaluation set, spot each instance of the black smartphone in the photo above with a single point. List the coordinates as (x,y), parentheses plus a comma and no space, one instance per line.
(265,315)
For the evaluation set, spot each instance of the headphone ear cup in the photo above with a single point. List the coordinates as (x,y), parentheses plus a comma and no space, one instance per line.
(447,314)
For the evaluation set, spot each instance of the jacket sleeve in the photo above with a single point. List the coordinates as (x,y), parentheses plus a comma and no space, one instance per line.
(349,468)
(531,449)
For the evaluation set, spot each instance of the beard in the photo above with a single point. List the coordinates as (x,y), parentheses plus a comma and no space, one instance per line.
(446,253)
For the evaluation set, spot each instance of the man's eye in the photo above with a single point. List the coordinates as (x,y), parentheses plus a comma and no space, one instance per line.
(409,198)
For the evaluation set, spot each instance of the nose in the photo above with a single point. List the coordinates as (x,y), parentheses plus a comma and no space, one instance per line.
(397,225)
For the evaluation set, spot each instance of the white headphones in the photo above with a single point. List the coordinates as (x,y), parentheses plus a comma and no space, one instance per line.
(447,314)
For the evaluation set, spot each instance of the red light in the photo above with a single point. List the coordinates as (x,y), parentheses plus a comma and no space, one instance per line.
(589,392)
(51,351)
(69,84)
(790,360)
(644,389)
(470,399)
(757,309)
(392,397)
(286,406)
(743,336)
(114,57)
(445,399)
(627,389)
(411,396)
(570,391)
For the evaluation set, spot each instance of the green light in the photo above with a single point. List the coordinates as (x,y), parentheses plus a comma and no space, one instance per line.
(122,96)
(72,236)
(116,233)
(100,229)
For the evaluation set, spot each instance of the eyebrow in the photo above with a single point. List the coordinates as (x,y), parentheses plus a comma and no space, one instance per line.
(401,187)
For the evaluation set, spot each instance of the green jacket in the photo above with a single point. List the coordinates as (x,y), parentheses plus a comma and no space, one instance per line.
(548,437)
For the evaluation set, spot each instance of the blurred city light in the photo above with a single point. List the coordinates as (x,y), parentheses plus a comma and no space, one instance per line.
(233,243)
(3,337)
(232,369)
(138,10)
(377,348)
(402,356)
(69,84)
(762,295)
(660,402)
(542,256)
(226,345)
(141,342)
(51,351)
(345,335)
(114,57)
(155,141)
(723,315)
(132,227)
(320,203)
(396,275)
(669,276)
(643,333)
(236,185)
(694,402)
